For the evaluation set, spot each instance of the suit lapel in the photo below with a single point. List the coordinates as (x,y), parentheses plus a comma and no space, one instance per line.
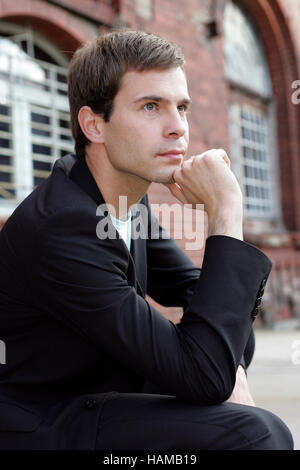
(139,255)
(78,171)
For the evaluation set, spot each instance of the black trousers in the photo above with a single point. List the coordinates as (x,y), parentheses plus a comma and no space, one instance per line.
(134,421)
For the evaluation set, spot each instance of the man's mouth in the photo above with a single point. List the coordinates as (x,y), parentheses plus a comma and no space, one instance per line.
(174,154)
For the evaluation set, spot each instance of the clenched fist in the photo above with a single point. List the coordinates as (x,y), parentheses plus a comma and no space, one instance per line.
(207,179)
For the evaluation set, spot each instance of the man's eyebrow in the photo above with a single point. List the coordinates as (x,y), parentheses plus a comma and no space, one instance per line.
(160,99)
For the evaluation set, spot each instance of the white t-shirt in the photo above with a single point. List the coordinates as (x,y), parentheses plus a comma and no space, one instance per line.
(124,228)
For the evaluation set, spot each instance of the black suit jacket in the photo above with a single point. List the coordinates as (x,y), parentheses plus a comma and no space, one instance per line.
(76,324)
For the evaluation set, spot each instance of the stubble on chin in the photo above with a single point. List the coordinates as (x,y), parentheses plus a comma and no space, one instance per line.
(164,179)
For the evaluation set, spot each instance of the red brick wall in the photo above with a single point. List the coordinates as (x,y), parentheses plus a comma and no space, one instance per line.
(210,93)
(209,88)
(205,73)
(101,11)
(58,25)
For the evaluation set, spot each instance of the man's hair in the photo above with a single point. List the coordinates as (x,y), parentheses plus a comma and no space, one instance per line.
(96,71)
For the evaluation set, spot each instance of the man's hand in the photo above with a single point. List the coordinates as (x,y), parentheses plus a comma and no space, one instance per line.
(241,393)
(207,179)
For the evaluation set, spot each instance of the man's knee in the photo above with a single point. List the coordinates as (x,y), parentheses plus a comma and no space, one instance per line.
(266,431)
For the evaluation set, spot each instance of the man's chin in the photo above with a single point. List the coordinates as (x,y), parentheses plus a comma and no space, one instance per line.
(164,179)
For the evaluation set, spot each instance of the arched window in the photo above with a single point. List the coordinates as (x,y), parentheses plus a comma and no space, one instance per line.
(34,113)
(252,121)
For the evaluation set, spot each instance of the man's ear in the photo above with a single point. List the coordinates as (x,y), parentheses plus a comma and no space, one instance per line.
(91,124)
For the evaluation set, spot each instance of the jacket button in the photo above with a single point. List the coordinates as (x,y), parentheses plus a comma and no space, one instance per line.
(89,404)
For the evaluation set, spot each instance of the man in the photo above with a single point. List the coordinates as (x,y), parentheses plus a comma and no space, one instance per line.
(90,363)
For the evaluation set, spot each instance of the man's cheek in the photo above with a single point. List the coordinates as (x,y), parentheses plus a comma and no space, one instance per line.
(187,135)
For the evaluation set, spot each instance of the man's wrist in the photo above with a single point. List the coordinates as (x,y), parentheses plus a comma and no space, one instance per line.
(226,223)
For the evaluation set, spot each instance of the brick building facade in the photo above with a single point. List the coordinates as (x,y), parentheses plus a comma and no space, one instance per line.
(243,69)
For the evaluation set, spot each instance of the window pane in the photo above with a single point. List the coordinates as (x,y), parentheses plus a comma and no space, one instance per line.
(35,117)
(4,110)
(41,166)
(4,126)
(245,60)
(7,185)
(256,165)
(41,130)
(42,149)
(51,139)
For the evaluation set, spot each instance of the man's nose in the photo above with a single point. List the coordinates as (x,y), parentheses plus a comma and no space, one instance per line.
(176,125)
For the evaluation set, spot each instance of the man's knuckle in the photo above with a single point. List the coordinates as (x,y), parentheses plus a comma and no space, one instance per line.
(222,153)
(186,166)
(207,157)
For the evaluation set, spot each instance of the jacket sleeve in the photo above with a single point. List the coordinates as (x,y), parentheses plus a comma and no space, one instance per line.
(81,280)
(172,277)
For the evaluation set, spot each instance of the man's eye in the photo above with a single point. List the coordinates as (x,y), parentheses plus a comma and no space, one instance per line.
(182,108)
(150,106)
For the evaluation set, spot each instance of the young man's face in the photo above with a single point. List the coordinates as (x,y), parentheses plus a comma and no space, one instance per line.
(148,120)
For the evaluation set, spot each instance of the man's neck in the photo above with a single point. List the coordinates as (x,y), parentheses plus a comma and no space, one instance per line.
(113,184)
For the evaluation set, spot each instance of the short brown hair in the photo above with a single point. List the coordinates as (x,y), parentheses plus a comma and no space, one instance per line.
(97,68)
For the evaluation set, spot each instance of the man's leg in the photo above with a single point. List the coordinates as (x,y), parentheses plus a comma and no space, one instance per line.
(162,422)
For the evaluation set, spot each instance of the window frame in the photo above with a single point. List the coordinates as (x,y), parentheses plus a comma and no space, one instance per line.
(271,165)
(260,98)
(21,98)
